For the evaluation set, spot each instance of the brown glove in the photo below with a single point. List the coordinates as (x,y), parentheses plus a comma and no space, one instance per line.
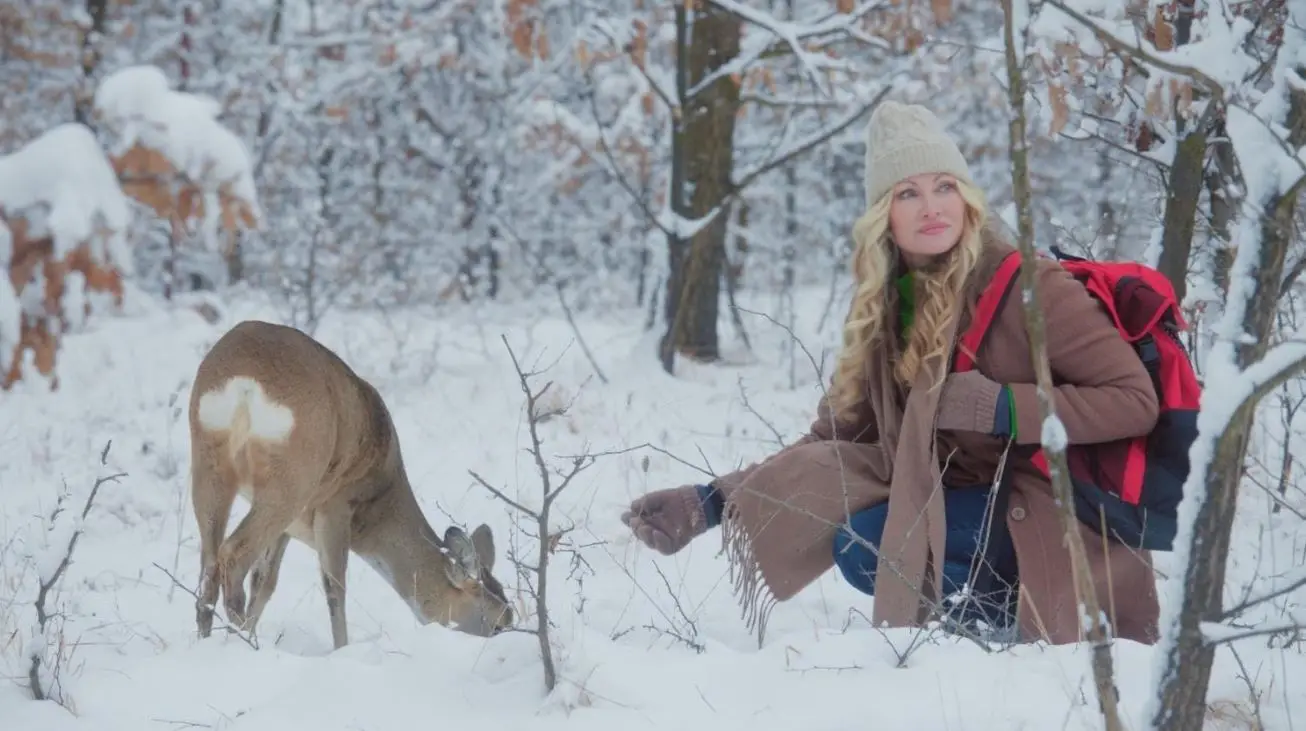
(667,520)
(969,402)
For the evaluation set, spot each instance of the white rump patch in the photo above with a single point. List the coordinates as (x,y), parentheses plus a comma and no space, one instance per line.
(268,420)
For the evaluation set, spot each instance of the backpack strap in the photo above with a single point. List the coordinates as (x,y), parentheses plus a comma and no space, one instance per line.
(986,309)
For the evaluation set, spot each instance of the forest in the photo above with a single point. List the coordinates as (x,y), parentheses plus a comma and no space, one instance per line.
(450,193)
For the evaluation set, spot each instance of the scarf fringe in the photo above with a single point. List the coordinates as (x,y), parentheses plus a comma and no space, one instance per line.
(748,585)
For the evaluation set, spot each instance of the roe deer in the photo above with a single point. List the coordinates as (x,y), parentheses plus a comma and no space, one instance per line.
(282,420)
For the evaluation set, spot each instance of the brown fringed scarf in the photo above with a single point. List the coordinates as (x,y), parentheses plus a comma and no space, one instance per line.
(782,513)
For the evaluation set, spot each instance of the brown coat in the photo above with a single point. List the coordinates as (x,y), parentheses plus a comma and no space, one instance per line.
(782,512)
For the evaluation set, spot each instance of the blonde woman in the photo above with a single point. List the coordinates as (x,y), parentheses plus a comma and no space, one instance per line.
(892,482)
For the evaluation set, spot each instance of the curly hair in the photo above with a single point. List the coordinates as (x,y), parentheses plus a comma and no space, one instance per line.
(939,297)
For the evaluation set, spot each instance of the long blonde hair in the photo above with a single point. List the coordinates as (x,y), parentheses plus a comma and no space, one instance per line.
(939,288)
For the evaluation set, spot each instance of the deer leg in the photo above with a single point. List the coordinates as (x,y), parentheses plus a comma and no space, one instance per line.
(259,531)
(211,499)
(331,533)
(263,579)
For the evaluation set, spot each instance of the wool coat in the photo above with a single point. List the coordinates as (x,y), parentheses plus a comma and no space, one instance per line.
(781,513)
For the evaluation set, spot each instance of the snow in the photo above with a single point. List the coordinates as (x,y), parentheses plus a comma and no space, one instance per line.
(138,105)
(62,184)
(1053,434)
(447,378)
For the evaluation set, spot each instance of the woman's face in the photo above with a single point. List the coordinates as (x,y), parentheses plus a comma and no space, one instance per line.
(926,216)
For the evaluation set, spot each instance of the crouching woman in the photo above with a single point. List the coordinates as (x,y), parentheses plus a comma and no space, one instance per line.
(893,483)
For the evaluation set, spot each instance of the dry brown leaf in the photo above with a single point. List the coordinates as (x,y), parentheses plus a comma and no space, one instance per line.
(1057,97)
(542,45)
(1162,31)
(521,38)
(30,256)
(1155,104)
(1181,91)
(639,44)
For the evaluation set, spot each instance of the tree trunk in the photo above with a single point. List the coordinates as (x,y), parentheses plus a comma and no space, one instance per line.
(1184,683)
(1183,189)
(1184,185)
(1221,181)
(92,41)
(693,289)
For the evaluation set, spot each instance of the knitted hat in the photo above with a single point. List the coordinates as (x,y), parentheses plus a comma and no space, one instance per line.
(903,140)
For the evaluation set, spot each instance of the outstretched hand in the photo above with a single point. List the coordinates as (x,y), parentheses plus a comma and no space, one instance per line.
(666,520)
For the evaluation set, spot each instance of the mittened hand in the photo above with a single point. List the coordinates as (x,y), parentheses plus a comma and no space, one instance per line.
(667,520)
(969,402)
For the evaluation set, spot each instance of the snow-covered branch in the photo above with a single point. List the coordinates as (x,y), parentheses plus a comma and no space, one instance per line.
(789,37)
(1196,61)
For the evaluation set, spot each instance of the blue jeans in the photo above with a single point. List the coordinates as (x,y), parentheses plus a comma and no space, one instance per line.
(966,509)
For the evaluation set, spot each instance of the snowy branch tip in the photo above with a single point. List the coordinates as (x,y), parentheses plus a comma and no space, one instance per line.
(141,110)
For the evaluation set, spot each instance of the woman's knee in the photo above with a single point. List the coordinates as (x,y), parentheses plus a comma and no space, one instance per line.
(854,547)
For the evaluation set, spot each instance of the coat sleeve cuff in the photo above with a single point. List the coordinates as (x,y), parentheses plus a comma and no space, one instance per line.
(712,502)
(1004,414)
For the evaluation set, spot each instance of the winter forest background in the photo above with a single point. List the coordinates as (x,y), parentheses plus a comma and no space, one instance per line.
(656,198)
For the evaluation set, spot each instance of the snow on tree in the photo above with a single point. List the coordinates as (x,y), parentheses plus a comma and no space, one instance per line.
(65,211)
(62,218)
(1154,81)
(174,156)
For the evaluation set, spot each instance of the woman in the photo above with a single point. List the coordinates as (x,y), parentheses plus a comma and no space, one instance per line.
(891,483)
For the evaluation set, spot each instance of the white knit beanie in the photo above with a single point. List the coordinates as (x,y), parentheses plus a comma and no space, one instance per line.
(904,140)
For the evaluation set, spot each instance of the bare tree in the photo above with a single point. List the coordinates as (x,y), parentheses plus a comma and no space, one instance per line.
(552,483)
(1248,369)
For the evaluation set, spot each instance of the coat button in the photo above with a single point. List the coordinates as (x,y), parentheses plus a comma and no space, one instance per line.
(1017,513)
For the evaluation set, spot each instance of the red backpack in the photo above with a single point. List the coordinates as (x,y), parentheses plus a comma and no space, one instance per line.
(1130,487)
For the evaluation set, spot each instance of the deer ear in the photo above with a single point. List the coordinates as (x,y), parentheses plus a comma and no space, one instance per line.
(483,540)
(465,564)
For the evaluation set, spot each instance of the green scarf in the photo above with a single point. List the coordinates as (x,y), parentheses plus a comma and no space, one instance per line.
(906,302)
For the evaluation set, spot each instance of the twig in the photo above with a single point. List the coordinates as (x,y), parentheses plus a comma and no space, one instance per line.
(1294,629)
(743,396)
(249,639)
(820,375)
(1093,621)
(45,586)
(680,609)
(547,540)
(557,282)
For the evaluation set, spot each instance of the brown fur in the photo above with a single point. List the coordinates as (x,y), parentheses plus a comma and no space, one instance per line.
(335,481)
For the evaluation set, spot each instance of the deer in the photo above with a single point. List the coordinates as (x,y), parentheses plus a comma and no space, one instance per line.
(278,418)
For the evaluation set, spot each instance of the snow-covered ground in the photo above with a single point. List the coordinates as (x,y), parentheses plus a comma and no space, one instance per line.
(641,639)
